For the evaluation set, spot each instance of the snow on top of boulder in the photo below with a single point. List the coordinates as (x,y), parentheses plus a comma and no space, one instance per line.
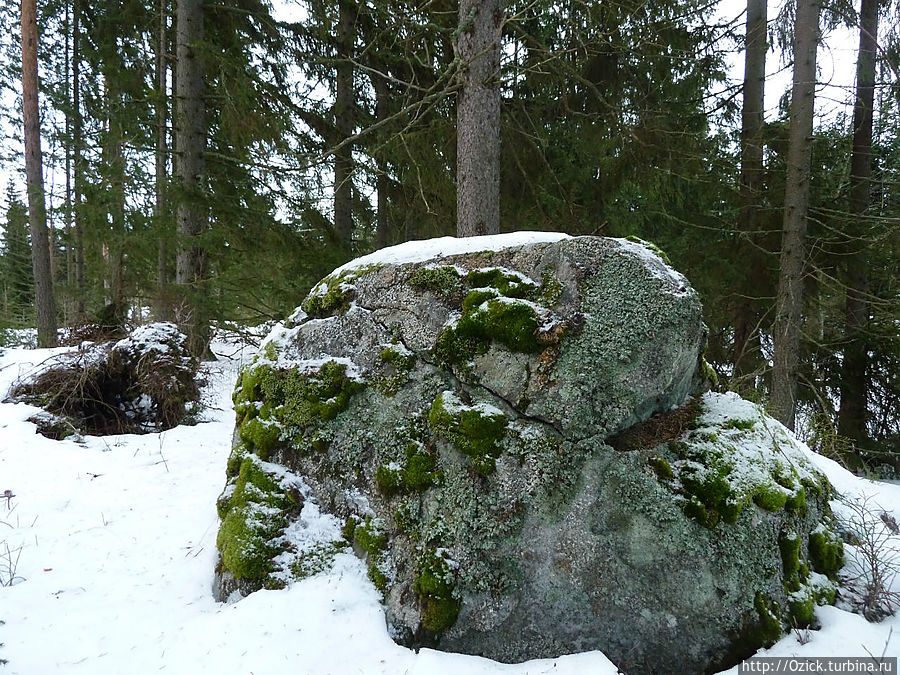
(657,266)
(757,442)
(429,249)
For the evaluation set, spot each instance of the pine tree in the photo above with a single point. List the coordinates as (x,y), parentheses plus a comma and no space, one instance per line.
(478,118)
(16,272)
(790,297)
(45,306)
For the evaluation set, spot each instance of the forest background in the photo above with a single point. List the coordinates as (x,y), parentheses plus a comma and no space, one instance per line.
(208,162)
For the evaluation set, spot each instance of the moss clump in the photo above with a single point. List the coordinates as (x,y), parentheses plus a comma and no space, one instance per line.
(509,285)
(370,536)
(253,518)
(742,425)
(709,487)
(770,497)
(261,435)
(417,473)
(349,527)
(796,503)
(789,545)
(826,552)
(388,480)
(770,629)
(473,431)
(301,400)
(444,282)
(498,308)
(709,373)
(235,459)
(434,585)
(395,366)
(661,468)
(420,471)
(334,294)
(512,324)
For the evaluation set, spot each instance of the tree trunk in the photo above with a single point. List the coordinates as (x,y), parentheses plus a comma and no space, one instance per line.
(113,172)
(382,181)
(789,302)
(344,105)
(45,306)
(70,250)
(852,415)
(746,335)
(163,309)
(192,217)
(78,159)
(478,119)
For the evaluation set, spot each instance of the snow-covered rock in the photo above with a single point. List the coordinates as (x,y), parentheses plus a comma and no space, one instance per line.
(512,433)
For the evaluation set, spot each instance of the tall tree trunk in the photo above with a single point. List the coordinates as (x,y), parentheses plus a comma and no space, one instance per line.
(163,309)
(478,118)
(852,415)
(344,117)
(113,172)
(382,181)
(192,216)
(70,249)
(45,306)
(746,335)
(789,302)
(78,160)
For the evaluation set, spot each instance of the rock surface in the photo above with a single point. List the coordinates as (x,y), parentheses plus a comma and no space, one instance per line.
(515,442)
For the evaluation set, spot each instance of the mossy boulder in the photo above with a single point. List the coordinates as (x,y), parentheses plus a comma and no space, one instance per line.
(517,441)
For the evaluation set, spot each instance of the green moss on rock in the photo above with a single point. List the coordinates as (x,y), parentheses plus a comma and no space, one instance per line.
(394,367)
(434,585)
(334,294)
(253,517)
(261,435)
(826,552)
(371,536)
(474,431)
(499,307)
(769,630)
(770,497)
(444,282)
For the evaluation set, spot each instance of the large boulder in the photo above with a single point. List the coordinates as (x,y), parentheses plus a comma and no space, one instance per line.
(513,433)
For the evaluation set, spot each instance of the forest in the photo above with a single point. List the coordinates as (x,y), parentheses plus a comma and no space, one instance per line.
(207,163)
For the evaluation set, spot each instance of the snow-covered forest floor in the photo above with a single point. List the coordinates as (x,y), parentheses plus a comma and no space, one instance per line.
(107,549)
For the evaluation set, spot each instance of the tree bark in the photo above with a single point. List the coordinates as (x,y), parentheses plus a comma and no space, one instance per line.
(790,298)
(192,216)
(852,416)
(163,309)
(70,249)
(344,121)
(78,159)
(382,180)
(45,306)
(746,335)
(478,119)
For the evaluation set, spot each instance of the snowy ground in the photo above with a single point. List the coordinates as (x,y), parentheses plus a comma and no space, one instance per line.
(112,546)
